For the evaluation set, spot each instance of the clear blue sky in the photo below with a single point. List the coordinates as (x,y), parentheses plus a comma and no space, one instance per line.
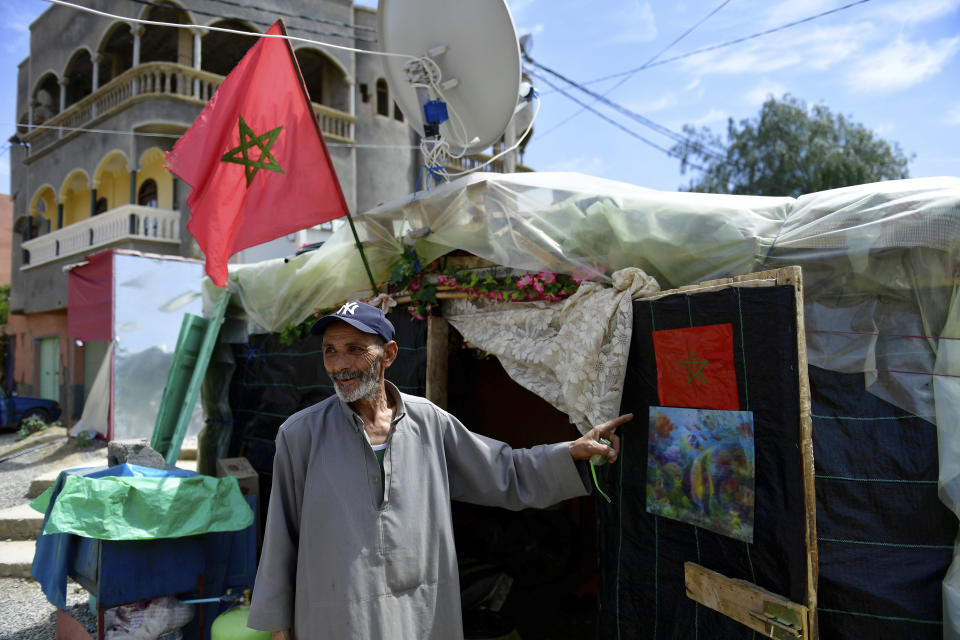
(892,65)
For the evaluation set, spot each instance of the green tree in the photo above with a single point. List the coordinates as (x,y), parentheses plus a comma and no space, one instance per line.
(788,150)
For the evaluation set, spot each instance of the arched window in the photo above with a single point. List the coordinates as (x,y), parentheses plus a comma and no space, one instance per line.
(222,51)
(147,196)
(116,52)
(101,206)
(79,76)
(163,44)
(383,100)
(46,99)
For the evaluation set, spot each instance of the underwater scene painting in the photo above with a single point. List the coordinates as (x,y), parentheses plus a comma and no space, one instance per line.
(700,468)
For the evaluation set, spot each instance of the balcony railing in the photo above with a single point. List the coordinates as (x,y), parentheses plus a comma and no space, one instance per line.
(158,79)
(476,162)
(129,222)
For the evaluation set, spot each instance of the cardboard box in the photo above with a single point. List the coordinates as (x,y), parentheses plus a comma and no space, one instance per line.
(247,478)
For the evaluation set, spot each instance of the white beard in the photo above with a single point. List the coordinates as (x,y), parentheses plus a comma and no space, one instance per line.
(366,390)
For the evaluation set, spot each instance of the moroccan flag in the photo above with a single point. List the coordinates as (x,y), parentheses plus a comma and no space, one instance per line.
(695,367)
(255,159)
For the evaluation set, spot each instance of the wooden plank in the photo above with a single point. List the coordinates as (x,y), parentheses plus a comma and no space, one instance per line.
(743,601)
(438,331)
(794,276)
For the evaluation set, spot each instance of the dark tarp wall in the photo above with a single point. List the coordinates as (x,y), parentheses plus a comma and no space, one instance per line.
(885,538)
(272,381)
(642,592)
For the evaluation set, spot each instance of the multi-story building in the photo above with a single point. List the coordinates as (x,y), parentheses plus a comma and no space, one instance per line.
(99,101)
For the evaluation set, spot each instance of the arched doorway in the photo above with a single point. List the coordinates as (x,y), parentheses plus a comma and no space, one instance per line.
(79,77)
(222,51)
(166,44)
(46,99)
(116,52)
(326,82)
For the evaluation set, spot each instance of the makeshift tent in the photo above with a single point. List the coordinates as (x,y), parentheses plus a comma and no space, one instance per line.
(882,311)
(134,301)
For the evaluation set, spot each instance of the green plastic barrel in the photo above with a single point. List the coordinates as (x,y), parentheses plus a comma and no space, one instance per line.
(232,625)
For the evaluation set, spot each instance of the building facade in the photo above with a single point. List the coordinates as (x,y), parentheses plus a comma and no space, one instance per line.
(99,102)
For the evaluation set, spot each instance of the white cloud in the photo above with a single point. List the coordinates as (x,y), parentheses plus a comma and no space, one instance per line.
(918,11)
(591,165)
(653,105)
(712,116)
(636,24)
(759,94)
(901,64)
(885,128)
(791,11)
(693,84)
(952,116)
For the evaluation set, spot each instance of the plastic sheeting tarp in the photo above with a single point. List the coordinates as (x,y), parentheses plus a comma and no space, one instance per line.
(137,508)
(55,551)
(880,263)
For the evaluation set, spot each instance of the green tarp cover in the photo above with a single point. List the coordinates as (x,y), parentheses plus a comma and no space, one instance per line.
(134,508)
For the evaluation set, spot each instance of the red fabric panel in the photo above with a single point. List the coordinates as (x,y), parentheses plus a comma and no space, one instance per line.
(90,299)
(255,159)
(695,367)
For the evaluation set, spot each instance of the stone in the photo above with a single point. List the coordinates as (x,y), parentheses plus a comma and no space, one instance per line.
(134,452)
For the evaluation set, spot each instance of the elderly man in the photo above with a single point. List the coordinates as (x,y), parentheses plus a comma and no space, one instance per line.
(359,541)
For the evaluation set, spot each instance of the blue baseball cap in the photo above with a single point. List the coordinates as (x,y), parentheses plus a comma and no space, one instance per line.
(360,315)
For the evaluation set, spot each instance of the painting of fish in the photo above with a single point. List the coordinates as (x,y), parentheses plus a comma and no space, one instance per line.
(700,468)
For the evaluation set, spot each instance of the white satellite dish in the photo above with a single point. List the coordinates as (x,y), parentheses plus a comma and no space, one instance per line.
(474,45)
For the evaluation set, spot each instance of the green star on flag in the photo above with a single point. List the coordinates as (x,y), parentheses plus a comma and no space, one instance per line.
(682,380)
(692,363)
(248,140)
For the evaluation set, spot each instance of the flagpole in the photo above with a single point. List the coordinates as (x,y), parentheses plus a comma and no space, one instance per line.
(363,256)
(323,142)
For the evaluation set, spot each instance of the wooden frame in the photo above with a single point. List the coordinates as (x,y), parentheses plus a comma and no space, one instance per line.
(738,599)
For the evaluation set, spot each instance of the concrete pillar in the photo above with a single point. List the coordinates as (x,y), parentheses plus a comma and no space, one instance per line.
(59,215)
(93,202)
(197,58)
(133,186)
(137,31)
(97,59)
(63,93)
(63,101)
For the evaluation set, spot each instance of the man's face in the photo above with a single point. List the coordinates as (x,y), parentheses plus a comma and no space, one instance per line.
(353,360)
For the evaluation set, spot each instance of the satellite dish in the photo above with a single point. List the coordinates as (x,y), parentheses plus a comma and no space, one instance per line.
(474,45)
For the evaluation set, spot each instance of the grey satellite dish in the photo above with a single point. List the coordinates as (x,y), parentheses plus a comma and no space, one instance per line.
(474,44)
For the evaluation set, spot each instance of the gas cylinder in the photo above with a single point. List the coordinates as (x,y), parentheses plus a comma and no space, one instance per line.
(232,625)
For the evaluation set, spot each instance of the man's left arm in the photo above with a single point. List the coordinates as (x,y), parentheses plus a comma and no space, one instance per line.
(490,472)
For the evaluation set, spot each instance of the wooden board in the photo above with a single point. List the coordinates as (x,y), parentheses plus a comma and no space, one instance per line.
(747,603)
(438,331)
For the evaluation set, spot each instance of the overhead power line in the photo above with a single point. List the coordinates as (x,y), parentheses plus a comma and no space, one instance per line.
(606,118)
(679,138)
(728,43)
(640,68)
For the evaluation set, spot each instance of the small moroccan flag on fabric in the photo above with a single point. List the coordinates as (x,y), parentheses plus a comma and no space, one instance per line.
(695,367)
(255,160)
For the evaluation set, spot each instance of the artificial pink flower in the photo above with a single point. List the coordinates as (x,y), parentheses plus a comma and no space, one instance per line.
(415,285)
(525,281)
(538,286)
(548,277)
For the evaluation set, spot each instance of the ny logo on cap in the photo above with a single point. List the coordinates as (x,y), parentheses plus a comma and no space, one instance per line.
(349,307)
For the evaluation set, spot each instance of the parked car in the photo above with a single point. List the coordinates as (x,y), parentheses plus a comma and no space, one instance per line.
(14,408)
